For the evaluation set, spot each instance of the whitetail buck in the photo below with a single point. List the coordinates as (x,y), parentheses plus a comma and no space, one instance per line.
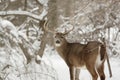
(91,55)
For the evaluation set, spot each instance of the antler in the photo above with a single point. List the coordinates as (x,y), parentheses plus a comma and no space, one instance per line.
(66,32)
(46,28)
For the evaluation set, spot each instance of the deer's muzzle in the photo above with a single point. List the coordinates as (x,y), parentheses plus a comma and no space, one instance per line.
(58,42)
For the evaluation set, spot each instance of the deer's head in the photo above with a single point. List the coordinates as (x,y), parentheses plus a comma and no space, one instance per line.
(59,37)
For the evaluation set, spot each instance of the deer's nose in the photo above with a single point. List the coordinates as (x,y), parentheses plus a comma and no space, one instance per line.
(57,41)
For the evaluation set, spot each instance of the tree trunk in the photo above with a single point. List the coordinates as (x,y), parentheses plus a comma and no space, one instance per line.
(52,19)
(69,8)
(43,41)
(52,22)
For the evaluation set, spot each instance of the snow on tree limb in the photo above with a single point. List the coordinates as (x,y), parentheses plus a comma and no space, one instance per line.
(25,13)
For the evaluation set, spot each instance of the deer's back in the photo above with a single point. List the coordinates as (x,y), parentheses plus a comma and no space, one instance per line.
(80,54)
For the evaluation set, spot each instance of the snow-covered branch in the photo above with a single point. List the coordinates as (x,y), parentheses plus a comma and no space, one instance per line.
(24,13)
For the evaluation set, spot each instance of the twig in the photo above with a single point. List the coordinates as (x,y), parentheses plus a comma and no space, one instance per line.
(7,66)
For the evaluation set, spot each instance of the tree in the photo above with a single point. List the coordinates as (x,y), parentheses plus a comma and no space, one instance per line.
(21,15)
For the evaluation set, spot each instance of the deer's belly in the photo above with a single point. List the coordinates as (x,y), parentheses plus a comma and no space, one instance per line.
(76,62)
(81,67)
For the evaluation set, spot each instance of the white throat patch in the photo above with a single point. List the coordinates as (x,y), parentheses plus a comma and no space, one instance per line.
(57,44)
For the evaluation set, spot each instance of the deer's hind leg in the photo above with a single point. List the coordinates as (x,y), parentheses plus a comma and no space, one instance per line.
(100,71)
(91,69)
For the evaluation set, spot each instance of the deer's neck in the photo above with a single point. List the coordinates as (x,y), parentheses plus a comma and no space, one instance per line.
(63,50)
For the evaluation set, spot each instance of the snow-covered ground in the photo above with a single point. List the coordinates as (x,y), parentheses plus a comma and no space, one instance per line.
(52,68)
(63,72)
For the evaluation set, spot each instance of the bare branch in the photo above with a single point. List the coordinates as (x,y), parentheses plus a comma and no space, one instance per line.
(38,2)
(23,13)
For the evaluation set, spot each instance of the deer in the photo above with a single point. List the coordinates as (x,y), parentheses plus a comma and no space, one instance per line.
(76,55)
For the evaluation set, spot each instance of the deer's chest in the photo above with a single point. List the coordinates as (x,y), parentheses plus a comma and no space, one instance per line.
(76,60)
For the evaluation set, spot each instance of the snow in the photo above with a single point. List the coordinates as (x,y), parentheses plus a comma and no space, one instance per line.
(7,26)
(44,2)
(60,67)
(52,66)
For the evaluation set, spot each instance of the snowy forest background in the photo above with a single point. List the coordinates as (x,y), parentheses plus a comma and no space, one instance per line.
(26,49)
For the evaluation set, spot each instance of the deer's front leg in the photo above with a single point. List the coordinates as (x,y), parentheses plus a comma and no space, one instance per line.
(72,74)
(77,73)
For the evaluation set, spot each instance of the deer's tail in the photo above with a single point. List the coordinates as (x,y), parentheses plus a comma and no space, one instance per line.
(104,54)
